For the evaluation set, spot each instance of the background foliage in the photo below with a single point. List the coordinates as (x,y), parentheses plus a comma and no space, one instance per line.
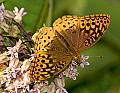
(103,75)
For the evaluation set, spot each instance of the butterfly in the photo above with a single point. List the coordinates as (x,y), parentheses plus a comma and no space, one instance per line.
(55,47)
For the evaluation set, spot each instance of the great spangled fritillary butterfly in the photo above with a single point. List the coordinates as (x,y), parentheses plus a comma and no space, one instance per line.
(55,47)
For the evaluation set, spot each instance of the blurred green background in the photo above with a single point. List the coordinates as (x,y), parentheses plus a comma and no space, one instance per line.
(103,74)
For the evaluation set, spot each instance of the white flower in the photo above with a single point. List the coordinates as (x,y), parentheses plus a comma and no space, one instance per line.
(32,57)
(60,83)
(13,51)
(17,84)
(2,9)
(13,63)
(19,14)
(25,65)
(26,79)
(1,17)
(83,61)
(70,72)
(51,88)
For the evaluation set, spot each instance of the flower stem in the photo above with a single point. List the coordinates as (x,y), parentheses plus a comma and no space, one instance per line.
(49,18)
(42,15)
(23,31)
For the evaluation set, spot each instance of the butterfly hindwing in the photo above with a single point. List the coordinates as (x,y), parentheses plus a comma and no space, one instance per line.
(51,58)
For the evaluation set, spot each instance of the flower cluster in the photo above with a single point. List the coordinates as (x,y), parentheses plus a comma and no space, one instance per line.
(16,75)
(16,56)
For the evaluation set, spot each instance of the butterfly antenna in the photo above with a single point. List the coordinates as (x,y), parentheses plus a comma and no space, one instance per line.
(97,56)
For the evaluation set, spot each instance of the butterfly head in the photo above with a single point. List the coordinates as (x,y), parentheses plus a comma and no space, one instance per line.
(77,58)
(80,60)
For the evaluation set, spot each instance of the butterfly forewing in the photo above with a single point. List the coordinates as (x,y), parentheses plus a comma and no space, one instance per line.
(82,32)
(95,27)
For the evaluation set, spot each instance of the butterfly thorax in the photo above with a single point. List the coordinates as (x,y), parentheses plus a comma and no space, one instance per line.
(77,58)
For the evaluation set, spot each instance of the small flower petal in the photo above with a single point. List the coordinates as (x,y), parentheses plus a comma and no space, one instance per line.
(60,82)
(14,63)
(22,12)
(15,10)
(51,88)
(25,65)
(16,55)
(18,44)
(59,90)
(2,10)
(1,17)
(82,65)
(26,79)
(87,63)
(32,57)
(2,7)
